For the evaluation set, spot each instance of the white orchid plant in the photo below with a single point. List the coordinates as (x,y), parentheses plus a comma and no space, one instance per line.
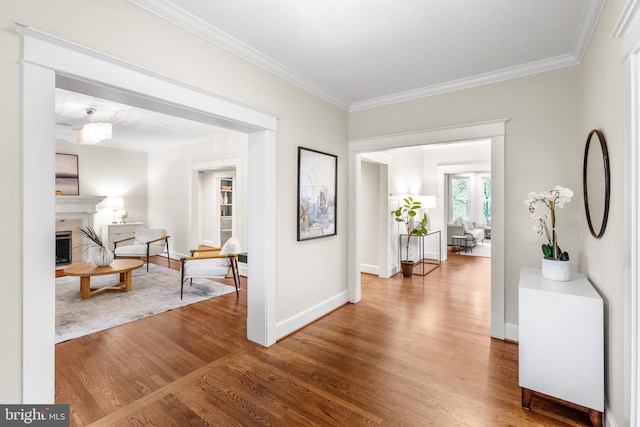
(545,224)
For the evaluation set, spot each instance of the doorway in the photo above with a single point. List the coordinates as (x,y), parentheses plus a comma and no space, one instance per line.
(219,205)
(493,131)
(46,59)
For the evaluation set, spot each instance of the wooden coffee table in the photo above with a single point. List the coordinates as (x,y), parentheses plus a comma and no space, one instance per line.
(86,270)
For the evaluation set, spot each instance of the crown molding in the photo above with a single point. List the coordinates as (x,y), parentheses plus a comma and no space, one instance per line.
(628,29)
(197,26)
(589,21)
(625,22)
(167,10)
(467,83)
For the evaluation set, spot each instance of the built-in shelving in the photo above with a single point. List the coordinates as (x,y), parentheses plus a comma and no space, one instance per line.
(226,209)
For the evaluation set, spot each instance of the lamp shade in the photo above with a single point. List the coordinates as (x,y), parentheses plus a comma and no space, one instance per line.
(113,203)
(428,202)
(92,133)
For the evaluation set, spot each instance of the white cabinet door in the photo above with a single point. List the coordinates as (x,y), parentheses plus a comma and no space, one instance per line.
(561,341)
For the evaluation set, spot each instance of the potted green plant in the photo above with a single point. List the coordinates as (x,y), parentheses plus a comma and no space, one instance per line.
(101,255)
(406,214)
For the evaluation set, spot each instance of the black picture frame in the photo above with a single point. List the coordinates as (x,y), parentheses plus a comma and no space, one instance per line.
(67,178)
(317,194)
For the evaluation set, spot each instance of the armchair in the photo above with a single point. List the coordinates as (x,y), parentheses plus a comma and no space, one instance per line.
(146,242)
(211,263)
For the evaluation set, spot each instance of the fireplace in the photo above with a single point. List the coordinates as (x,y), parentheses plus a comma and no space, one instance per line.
(63,248)
(72,212)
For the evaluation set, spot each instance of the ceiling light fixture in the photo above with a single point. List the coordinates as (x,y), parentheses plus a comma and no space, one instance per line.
(93,132)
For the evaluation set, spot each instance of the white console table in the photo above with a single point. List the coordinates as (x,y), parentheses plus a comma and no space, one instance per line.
(561,341)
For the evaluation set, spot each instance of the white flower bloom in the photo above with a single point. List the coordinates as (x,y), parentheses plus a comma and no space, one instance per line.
(557,197)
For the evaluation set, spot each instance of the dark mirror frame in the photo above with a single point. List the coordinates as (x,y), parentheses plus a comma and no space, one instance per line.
(607,183)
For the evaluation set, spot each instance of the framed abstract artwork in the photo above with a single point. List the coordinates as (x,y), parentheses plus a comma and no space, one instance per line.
(67,182)
(317,188)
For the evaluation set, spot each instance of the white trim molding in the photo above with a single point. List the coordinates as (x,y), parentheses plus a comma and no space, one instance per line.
(468,82)
(45,59)
(628,29)
(197,26)
(300,320)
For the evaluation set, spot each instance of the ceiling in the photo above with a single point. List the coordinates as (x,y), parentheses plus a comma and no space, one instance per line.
(360,54)
(134,128)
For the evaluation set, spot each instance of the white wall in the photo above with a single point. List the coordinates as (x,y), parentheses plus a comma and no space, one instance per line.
(111,172)
(370,219)
(170,181)
(605,261)
(540,148)
(206,181)
(120,29)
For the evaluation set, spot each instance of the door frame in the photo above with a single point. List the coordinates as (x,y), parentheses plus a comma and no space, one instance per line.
(197,199)
(47,58)
(628,30)
(493,130)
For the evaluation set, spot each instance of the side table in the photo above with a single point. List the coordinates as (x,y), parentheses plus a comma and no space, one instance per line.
(458,241)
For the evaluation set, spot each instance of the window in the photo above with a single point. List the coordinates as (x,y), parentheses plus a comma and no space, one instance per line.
(486,194)
(459,191)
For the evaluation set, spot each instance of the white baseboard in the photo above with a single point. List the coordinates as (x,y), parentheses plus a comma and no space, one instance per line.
(302,319)
(175,255)
(503,330)
(497,327)
(511,332)
(370,269)
(431,255)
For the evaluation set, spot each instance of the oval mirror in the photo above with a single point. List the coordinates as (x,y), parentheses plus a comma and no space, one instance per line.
(595,183)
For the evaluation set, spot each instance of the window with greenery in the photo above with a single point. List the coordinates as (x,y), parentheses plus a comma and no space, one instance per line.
(459,197)
(486,193)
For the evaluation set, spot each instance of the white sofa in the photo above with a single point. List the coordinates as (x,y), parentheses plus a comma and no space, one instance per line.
(462,227)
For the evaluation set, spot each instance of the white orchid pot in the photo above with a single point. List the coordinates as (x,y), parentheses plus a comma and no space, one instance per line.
(559,271)
(102,256)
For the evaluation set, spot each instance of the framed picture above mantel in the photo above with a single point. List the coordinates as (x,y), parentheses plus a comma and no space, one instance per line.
(317,188)
(67,180)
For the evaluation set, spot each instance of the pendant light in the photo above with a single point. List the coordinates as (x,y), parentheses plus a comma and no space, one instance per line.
(93,132)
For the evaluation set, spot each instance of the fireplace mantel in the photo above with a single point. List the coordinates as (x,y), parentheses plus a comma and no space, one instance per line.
(73,212)
(77,204)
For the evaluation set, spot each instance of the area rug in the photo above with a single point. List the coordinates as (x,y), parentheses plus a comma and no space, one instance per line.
(153,292)
(481,249)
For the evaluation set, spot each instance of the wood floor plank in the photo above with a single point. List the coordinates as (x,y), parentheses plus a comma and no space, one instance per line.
(414,352)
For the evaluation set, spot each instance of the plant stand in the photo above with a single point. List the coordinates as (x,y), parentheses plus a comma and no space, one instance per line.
(427,265)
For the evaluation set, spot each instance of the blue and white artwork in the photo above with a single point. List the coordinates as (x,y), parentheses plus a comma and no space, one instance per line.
(317,184)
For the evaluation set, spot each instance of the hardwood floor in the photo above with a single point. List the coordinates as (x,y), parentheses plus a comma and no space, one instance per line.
(414,352)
